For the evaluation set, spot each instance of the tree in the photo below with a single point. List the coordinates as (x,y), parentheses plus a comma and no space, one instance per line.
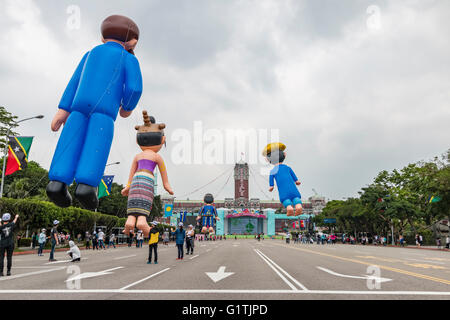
(7,122)
(36,179)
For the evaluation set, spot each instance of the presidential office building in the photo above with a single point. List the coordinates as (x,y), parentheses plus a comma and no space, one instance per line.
(242,214)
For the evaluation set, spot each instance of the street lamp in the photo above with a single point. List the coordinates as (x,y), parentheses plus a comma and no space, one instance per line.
(6,150)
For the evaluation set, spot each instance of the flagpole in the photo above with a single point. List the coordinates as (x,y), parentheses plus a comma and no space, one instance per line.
(5,154)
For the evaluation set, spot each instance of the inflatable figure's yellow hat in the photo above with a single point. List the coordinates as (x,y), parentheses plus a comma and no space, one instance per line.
(274,146)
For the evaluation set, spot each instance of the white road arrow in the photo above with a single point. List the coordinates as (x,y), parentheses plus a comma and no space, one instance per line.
(365,277)
(92,274)
(219,275)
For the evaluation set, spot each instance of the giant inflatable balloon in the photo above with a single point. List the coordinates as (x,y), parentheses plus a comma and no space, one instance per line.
(106,82)
(140,187)
(285,178)
(208,214)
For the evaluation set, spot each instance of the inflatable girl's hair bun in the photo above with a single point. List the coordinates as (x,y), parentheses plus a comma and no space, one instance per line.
(148,120)
(150,124)
(151,133)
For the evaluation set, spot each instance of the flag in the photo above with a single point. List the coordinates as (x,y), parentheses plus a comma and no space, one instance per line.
(18,149)
(183,216)
(104,189)
(168,208)
(434,199)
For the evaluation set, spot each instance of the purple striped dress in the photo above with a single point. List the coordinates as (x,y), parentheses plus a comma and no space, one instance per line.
(140,197)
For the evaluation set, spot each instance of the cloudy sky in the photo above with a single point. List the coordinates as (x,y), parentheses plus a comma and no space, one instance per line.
(351,87)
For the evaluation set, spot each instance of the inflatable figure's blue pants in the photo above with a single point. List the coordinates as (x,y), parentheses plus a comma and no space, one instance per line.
(83,149)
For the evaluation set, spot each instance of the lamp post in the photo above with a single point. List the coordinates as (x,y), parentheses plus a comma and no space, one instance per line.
(6,150)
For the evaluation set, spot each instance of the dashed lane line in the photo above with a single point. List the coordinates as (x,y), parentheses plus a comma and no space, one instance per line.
(31,273)
(142,280)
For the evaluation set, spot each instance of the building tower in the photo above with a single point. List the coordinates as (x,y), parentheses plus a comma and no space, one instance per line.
(241,192)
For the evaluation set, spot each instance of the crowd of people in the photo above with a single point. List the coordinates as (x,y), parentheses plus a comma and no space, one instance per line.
(363,239)
(184,240)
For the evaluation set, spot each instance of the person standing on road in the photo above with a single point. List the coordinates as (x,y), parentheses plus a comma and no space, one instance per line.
(139,239)
(41,241)
(447,242)
(180,235)
(94,240)
(7,242)
(438,242)
(87,238)
(166,237)
(190,240)
(101,238)
(54,240)
(33,240)
(153,243)
(112,238)
(420,240)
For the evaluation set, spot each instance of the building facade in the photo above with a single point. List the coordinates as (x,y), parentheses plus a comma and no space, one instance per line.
(242,214)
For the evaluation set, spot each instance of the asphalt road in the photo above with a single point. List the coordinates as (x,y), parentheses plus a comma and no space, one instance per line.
(235,269)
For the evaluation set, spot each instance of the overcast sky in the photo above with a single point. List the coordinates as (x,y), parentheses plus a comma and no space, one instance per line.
(353,87)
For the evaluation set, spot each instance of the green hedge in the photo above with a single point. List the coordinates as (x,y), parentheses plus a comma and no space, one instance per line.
(36,214)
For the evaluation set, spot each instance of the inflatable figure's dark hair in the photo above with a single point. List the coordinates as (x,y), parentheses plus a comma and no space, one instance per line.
(208,198)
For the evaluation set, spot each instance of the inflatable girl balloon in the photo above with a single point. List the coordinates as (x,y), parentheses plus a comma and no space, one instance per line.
(107,82)
(285,178)
(140,187)
(208,214)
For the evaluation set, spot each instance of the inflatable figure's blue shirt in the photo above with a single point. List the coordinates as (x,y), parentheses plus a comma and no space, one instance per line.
(106,78)
(285,179)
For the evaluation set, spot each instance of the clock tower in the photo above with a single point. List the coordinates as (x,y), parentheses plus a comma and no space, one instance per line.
(241,192)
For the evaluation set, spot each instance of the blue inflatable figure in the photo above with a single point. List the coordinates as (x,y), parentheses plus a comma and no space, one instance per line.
(106,82)
(208,214)
(285,178)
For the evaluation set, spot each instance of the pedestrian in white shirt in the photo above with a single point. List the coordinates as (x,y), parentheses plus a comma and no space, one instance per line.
(74,252)
(101,237)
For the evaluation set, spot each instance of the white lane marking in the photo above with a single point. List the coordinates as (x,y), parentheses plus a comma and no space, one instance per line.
(137,282)
(193,257)
(365,277)
(35,267)
(222,291)
(64,261)
(86,275)
(31,273)
(219,275)
(282,270)
(208,250)
(119,258)
(276,271)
